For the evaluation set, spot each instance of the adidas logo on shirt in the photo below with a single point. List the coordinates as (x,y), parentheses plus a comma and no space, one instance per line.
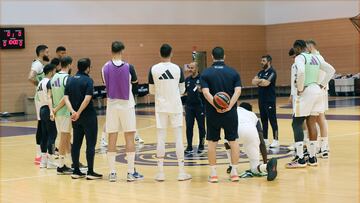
(166,76)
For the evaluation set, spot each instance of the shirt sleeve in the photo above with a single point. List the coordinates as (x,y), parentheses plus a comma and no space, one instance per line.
(150,77)
(272,77)
(90,87)
(237,81)
(133,74)
(300,74)
(203,81)
(182,77)
(37,67)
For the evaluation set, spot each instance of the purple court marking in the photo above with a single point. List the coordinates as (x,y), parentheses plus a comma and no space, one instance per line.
(328,117)
(7,131)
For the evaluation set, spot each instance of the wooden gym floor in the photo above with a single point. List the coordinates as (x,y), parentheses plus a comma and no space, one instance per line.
(334,180)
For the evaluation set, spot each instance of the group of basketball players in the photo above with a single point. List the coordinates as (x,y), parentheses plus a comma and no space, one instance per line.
(64,102)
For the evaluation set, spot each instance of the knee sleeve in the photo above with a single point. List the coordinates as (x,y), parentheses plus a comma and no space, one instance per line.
(297,124)
(161,136)
(179,143)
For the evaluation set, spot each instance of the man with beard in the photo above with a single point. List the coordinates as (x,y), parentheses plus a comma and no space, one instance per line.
(266,82)
(36,74)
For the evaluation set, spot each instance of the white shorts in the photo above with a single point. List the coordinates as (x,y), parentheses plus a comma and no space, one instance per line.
(310,102)
(63,124)
(325,98)
(163,119)
(248,134)
(120,119)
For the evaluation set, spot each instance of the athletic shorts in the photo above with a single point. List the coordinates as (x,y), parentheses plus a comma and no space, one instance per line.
(119,119)
(310,102)
(249,136)
(325,98)
(227,121)
(164,119)
(37,109)
(63,124)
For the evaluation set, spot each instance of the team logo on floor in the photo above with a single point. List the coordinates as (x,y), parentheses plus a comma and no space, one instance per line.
(146,155)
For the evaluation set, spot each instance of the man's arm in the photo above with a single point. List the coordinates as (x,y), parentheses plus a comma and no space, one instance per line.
(262,145)
(208,96)
(235,97)
(329,71)
(151,83)
(256,81)
(68,104)
(267,82)
(300,79)
(182,82)
(84,104)
(31,77)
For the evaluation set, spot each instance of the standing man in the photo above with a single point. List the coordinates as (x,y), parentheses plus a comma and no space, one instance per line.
(266,82)
(321,121)
(78,99)
(62,114)
(194,109)
(221,78)
(48,127)
(119,77)
(166,82)
(36,74)
(308,102)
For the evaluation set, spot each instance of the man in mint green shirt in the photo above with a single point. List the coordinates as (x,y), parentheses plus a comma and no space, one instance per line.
(62,115)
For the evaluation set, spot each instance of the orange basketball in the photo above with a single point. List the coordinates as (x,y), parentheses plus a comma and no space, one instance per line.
(221,100)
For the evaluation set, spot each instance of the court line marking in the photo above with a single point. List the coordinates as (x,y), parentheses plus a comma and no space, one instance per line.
(103,167)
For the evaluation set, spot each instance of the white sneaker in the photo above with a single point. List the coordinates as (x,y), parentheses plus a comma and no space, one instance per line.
(275,144)
(138,139)
(160,176)
(184,176)
(103,142)
(43,162)
(112,177)
(291,147)
(51,165)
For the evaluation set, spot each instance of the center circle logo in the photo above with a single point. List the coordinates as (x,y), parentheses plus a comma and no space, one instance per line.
(146,155)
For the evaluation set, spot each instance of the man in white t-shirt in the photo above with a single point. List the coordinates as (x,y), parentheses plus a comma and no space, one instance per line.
(321,120)
(167,83)
(119,76)
(35,76)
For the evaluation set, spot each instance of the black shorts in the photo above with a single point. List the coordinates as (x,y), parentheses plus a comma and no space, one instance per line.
(227,121)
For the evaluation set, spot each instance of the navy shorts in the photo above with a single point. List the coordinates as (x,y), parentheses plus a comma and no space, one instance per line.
(227,121)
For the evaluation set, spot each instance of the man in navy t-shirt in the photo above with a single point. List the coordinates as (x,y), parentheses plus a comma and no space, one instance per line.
(266,82)
(221,78)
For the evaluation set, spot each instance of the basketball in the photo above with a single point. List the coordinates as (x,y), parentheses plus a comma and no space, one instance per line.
(221,100)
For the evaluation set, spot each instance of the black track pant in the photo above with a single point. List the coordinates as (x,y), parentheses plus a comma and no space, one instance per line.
(191,115)
(48,131)
(268,113)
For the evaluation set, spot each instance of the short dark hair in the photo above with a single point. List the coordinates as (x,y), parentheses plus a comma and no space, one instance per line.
(310,41)
(65,61)
(40,48)
(60,48)
(218,53)
(267,57)
(291,52)
(83,64)
(299,44)
(48,68)
(55,61)
(246,106)
(117,47)
(165,50)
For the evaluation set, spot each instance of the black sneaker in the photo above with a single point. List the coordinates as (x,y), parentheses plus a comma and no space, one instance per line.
(271,168)
(312,161)
(306,154)
(201,149)
(77,175)
(64,170)
(93,176)
(228,170)
(189,150)
(296,163)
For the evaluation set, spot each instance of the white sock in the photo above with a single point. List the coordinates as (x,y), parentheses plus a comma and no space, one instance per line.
(228,153)
(103,136)
(61,161)
(213,170)
(262,168)
(234,170)
(299,146)
(181,165)
(111,161)
(324,143)
(131,162)
(312,148)
(160,164)
(38,151)
(306,137)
